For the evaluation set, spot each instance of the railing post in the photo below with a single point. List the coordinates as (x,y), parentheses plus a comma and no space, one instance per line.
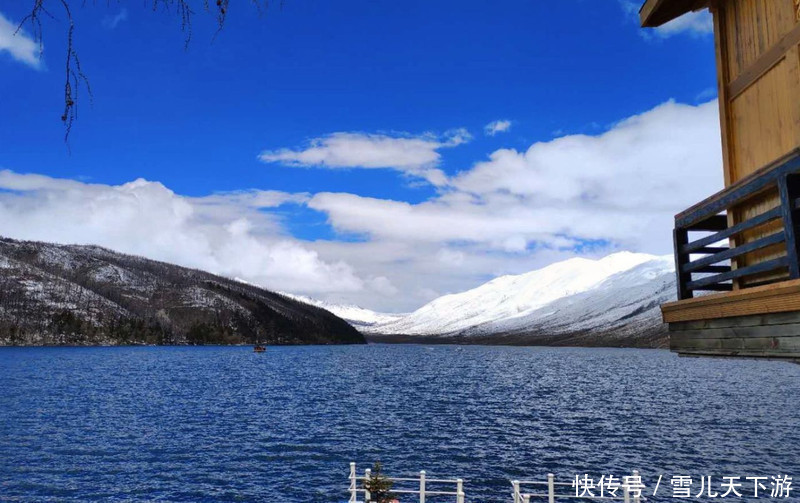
(422,486)
(526,498)
(353,484)
(515,485)
(680,238)
(459,491)
(638,480)
(367,476)
(551,488)
(626,495)
(788,191)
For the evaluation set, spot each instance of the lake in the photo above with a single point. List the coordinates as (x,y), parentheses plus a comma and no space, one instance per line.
(225,424)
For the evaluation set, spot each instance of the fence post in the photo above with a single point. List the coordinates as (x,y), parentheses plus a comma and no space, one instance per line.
(637,479)
(526,498)
(626,496)
(515,485)
(459,491)
(551,488)
(353,484)
(367,476)
(787,189)
(680,237)
(422,486)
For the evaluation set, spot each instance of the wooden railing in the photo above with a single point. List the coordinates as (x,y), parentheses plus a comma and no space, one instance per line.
(711,270)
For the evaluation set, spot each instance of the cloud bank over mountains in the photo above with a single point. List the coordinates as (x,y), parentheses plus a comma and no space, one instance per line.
(621,187)
(223,233)
(512,212)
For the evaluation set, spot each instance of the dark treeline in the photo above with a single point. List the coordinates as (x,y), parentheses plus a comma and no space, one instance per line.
(87,295)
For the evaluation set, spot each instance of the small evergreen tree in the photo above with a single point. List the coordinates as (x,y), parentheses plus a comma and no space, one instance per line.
(379,485)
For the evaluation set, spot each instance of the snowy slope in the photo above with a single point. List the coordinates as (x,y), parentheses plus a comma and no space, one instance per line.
(623,306)
(557,295)
(610,301)
(355,315)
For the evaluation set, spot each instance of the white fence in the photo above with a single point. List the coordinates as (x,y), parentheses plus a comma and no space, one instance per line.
(420,486)
(627,490)
(628,494)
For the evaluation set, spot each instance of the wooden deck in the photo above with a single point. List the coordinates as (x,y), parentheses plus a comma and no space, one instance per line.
(758,322)
(774,298)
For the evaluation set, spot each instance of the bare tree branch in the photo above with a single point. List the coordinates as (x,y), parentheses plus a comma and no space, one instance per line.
(74,75)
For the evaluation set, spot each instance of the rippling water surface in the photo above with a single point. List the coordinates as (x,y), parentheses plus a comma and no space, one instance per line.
(225,424)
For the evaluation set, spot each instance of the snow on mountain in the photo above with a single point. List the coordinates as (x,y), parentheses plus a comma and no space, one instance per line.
(508,302)
(357,316)
(623,307)
(610,301)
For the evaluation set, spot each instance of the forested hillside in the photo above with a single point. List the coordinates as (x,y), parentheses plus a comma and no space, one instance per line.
(86,295)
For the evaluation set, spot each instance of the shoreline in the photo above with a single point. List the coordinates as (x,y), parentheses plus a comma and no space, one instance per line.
(652,339)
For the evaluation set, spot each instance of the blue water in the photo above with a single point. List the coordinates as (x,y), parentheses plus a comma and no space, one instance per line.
(225,424)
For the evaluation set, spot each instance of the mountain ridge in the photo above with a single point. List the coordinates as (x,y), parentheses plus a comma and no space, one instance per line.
(612,301)
(52,294)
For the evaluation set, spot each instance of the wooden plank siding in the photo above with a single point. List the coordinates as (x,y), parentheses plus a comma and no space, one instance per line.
(773,298)
(759,336)
(758,70)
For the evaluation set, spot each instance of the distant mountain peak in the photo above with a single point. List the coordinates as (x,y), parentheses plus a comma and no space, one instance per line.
(355,315)
(578,300)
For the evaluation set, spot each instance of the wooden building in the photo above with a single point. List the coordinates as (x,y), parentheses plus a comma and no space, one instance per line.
(742,243)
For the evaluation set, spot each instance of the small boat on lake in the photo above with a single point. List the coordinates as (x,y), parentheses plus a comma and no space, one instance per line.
(258,348)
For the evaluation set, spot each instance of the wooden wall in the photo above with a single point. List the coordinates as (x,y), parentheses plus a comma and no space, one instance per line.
(758,67)
(759,336)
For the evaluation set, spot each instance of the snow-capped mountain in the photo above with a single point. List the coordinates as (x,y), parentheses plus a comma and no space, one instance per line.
(610,301)
(357,316)
(623,309)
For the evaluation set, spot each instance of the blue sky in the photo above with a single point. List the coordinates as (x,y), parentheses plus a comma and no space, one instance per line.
(340,130)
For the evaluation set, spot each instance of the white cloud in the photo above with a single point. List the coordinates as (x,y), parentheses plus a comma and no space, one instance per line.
(414,155)
(621,187)
(18,44)
(422,271)
(694,23)
(519,210)
(251,199)
(222,233)
(498,126)
(449,258)
(383,285)
(111,22)
(513,212)
(706,94)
